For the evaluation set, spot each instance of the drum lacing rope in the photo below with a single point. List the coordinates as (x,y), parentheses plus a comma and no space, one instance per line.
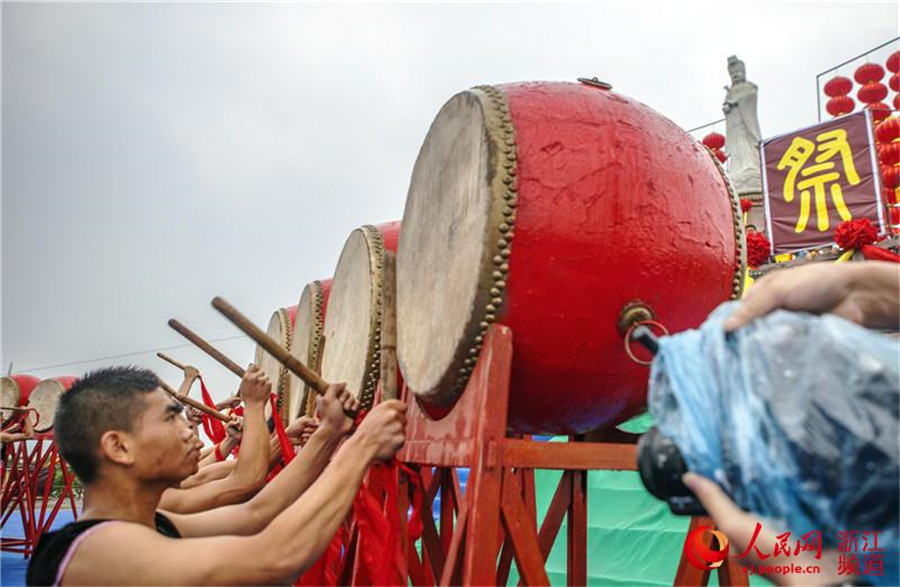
(628,340)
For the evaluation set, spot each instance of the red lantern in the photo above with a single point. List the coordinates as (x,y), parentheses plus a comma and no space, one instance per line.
(890,176)
(897,102)
(838,86)
(714,140)
(893,62)
(840,105)
(720,155)
(868,73)
(872,92)
(880,111)
(894,82)
(889,154)
(888,131)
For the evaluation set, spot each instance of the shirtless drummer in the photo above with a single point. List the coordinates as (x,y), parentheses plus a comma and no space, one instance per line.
(128,442)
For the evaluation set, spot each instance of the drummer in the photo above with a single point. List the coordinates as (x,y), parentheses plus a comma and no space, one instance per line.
(127,441)
(248,475)
(23,430)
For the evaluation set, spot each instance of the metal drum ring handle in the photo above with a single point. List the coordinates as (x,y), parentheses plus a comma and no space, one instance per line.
(628,340)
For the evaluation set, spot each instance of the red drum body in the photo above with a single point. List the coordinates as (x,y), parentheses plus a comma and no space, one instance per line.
(45,397)
(352,352)
(14,392)
(281,325)
(306,344)
(551,208)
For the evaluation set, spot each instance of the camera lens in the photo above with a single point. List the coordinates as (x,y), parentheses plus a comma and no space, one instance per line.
(661,466)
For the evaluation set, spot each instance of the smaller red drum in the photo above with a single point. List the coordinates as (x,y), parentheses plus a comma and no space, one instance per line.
(306,345)
(14,392)
(44,398)
(352,353)
(281,325)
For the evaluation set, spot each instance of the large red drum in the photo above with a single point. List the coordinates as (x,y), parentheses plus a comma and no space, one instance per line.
(14,392)
(306,344)
(45,397)
(352,352)
(281,325)
(551,208)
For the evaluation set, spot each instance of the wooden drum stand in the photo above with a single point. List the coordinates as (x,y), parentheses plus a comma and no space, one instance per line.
(495,520)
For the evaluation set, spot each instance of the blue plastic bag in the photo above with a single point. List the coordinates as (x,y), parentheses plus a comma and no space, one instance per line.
(795,416)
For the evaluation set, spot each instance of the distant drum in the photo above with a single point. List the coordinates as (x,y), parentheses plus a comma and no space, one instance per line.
(14,392)
(281,325)
(45,397)
(551,208)
(352,351)
(305,344)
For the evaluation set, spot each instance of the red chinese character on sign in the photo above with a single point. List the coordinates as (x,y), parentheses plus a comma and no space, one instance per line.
(848,564)
(752,545)
(809,542)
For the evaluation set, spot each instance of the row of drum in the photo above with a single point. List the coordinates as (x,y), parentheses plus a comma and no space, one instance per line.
(554,209)
(40,397)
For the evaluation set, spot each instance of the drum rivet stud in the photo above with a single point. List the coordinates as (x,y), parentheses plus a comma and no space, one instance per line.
(491,308)
(500,283)
(504,253)
(498,260)
(479,339)
(504,268)
(495,291)
(508,180)
(490,317)
(504,227)
(497,301)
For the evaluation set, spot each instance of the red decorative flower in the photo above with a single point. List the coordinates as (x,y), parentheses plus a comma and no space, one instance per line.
(840,105)
(838,86)
(746,205)
(894,82)
(720,155)
(888,130)
(714,140)
(872,92)
(855,233)
(893,62)
(758,247)
(890,177)
(880,111)
(889,154)
(868,73)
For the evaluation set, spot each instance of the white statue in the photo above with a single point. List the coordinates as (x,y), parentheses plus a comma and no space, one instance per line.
(742,135)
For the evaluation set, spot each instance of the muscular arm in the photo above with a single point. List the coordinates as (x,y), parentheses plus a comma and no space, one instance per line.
(254,515)
(245,480)
(206,474)
(208,455)
(277,555)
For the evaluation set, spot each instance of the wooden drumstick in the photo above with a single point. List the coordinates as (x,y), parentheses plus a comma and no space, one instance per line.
(194,403)
(206,347)
(306,374)
(389,327)
(169,359)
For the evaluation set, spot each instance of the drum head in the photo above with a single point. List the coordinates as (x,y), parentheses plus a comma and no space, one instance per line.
(279,329)
(353,320)
(449,281)
(9,397)
(44,400)
(305,346)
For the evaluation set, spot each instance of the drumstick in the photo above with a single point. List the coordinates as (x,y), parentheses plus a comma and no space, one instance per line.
(389,328)
(194,403)
(16,408)
(169,359)
(306,374)
(206,347)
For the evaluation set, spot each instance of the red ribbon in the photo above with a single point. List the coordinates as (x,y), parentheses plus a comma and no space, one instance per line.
(214,428)
(873,253)
(287,449)
(326,570)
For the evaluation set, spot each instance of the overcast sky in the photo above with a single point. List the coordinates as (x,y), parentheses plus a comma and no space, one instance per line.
(156,155)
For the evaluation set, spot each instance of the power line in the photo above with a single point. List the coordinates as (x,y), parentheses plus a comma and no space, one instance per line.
(123,355)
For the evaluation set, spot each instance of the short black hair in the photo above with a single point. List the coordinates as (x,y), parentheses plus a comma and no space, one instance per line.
(102,400)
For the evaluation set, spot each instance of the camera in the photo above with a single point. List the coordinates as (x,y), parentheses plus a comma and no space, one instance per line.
(661,466)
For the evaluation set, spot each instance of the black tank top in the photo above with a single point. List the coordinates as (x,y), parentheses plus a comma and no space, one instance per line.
(53,548)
